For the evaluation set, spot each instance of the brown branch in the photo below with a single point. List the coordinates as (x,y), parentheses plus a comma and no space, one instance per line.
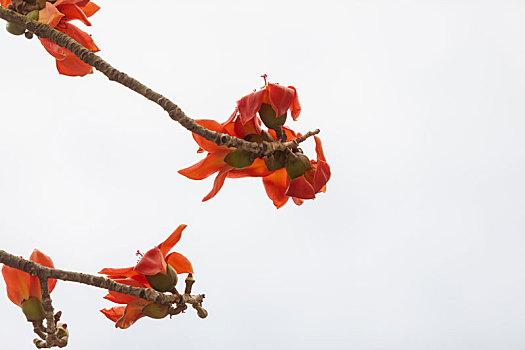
(175,113)
(40,271)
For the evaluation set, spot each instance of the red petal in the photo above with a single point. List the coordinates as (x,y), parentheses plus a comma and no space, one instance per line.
(114,313)
(151,263)
(281,98)
(298,201)
(275,186)
(4,3)
(300,188)
(206,167)
(132,313)
(72,66)
(170,242)
(205,144)
(257,169)
(319,149)
(50,15)
(17,284)
(90,9)
(296,106)
(72,12)
(249,105)
(252,127)
(217,184)
(179,263)
(81,37)
(44,260)
(54,50)
(321,177)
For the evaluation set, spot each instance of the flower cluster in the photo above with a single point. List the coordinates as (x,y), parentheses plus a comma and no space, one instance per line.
(285,174)
(58,14)
(24,290)
(157,270)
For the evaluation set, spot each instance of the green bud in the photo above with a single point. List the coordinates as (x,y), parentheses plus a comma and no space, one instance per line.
(201,312)
(161,282)
(155,310)
(239,159)
(269,118)
(33,15)
(33,309)
(276,161)
(297,164)
(15,29)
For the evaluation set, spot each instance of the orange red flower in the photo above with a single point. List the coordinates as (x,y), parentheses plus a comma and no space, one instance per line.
(58,15)
(24,289)
(157,269)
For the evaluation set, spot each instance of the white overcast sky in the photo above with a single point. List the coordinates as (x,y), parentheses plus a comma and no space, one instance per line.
(418,242)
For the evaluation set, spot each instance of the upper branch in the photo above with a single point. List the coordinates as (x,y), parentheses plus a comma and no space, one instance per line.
(45,31)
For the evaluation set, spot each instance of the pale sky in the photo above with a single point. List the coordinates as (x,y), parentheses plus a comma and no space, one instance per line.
(418,242)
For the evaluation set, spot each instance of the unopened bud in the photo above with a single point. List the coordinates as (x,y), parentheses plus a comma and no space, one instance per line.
(15,29)
(239,159)
(62,331)
(163,282)
(33,309)
(269,118)
(155,310)
(297,164)
(201,312)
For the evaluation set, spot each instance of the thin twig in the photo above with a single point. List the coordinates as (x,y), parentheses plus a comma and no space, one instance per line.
(45,31)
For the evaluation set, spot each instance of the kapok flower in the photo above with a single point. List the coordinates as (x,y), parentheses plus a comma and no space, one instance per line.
(280,185)
(157,270)
(225,161)
(24,289)
(272,102)
(58,15)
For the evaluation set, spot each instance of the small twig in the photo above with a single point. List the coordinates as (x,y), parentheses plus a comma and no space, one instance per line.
(189,283)
(87,56)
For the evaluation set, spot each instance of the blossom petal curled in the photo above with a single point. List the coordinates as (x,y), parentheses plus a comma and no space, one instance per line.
(151,263)
(217,183)
(249,105)
(173,239)
(179,262)
(281,98)
(275,186)
(300,188)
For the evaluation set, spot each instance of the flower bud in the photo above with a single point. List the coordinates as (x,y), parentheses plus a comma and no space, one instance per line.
(33,15)
(163,282)
(297,164)
(239,159)
(62,331)
(276,161)
(155,310)
(33,309)
(15,29)
(269,117)
(201,312)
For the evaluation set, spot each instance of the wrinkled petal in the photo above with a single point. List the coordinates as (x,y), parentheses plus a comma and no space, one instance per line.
(17,284)
(300,188)
(281,98)
(296,106)
(275,186)
(253,126)
(211,164)
(113,299)
(81,37)
(53,49)
(50,15)
(298,201)
(115,313)
(249,105)
(179,262)
(118,272)
(4,3)
(151,263)
(217,184)
(173,239)
(72,12)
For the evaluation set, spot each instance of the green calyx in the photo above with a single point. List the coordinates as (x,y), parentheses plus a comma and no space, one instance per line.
(239,159)
(33,15)
(297,164)
(276,161)
(33,309)
(15,29)
(269,118)
(155,310)
(163,282)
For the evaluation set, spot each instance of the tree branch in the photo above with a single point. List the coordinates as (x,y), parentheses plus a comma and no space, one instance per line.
(175,113)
